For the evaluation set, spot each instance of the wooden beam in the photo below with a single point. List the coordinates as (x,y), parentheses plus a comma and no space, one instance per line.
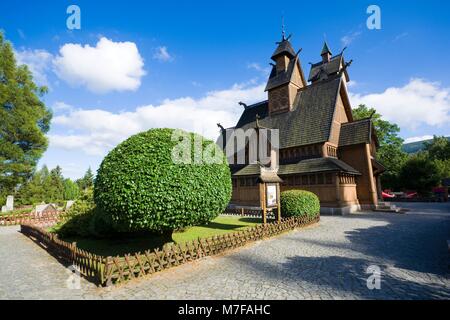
(264,207)
(278,203)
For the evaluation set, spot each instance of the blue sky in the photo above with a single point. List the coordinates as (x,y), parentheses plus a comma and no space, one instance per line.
(187,64)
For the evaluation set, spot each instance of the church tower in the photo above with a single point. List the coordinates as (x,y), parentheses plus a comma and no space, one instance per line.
(326,53)
(285,79)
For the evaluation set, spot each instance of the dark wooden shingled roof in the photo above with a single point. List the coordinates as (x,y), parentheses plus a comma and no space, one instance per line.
(355,132)
(310,120)
(276,80)
(302,167)
(317,165)
(284,47)
(327,69)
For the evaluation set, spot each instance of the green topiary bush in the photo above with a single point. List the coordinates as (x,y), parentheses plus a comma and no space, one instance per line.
(297,203)
(139,188)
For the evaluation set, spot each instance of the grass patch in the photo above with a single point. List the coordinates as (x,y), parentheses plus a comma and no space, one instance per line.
(141,242)
(220,225)
(16,212)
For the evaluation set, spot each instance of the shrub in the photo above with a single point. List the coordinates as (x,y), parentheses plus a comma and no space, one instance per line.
(77,220)
(83,219)
(296,203)
(139,188)
(420,174)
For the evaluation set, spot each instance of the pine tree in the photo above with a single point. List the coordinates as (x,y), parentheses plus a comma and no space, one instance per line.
(87,181)
(55,189)
(24,121)
(47,186)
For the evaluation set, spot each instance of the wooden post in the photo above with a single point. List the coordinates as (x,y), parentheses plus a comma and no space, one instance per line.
(372,184)
(264,206)
(74,255)
(278,203)
(106,276)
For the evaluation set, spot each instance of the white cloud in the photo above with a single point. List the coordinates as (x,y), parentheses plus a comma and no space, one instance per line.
(416,139)
(417,103)
(61,106)
(350,37)
(257,67)
(400,36)
(97,131)
(73,170)
(196,84)
(109,66)
(352,84)
(38,61)
(162,54)
(21,34)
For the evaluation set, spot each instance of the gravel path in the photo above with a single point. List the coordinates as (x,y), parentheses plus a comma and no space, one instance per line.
(326,261)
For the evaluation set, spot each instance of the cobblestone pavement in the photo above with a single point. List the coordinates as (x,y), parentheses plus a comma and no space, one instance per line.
(326,261)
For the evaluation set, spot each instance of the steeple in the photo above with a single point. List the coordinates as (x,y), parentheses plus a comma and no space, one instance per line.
(284,52)
(330,66)
(286,77)
(284,48)
(326,53)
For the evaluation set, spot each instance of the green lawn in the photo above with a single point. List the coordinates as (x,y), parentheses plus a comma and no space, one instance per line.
(16,212)
(140,243)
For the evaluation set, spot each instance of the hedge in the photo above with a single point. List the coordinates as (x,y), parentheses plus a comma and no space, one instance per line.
(297,203)
(140,188)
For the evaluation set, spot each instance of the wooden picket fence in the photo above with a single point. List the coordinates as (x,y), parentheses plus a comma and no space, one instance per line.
(89,265)
(133,266)
(47,220)
(247,212)
(107,271)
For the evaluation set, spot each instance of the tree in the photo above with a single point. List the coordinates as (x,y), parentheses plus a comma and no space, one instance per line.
(33,191)
(24,121)
(438,148)
(87,181)
(390,151)
(443,168)
(419,173)
(439,152)
(71,190)
(55,186)
(47,186)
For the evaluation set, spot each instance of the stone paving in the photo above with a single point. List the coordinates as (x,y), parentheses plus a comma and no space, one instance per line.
(326,261)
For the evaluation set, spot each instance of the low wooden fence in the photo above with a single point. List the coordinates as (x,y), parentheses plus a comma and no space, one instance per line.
(132,266)
(46,220)
(90,265)
(113,270)
(246,212)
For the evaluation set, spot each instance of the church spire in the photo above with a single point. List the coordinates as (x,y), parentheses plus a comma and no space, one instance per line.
(284,47)
(283,33)
(286,77)
(326,53)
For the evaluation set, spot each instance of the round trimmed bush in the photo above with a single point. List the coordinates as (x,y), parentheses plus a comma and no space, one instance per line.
(140,188)
(298,203)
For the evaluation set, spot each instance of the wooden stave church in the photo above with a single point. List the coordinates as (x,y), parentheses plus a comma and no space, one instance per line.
(322,149)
